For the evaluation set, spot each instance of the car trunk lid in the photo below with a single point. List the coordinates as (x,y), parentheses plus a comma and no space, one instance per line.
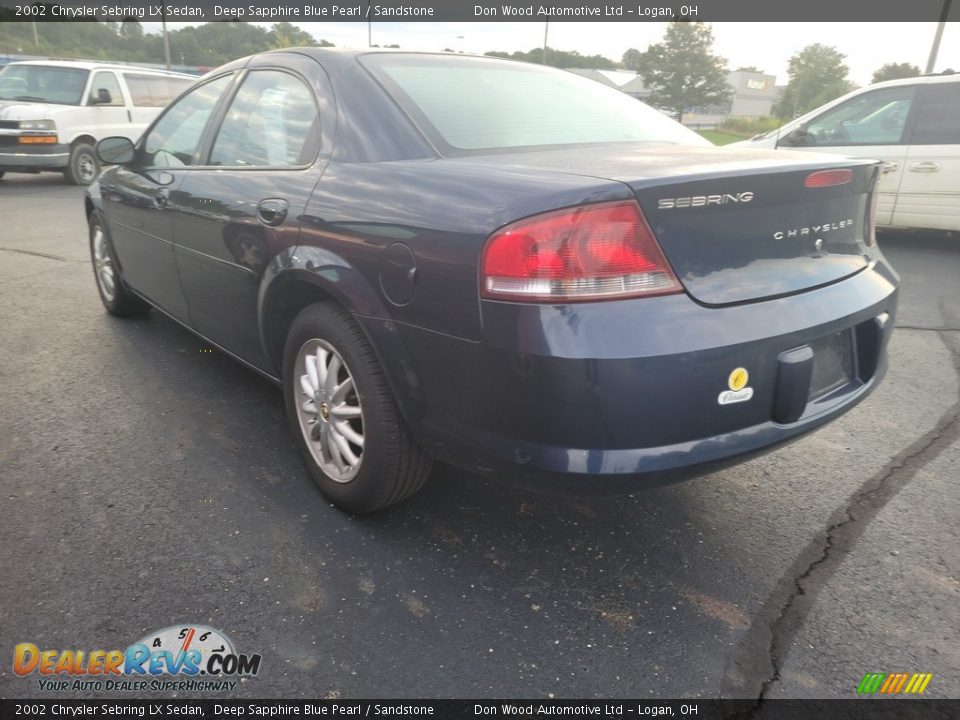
(736,225)
(760,235)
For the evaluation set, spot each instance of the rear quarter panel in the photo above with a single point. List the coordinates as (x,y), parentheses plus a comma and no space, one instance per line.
(443,212)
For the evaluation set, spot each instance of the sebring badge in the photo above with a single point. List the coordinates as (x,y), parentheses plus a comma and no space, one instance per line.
(704,200)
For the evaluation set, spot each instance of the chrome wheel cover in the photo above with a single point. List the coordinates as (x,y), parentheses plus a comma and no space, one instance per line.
(103,265)
(86,167)
(328,410)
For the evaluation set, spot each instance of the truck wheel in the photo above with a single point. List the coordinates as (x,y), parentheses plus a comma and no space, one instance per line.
(84,165)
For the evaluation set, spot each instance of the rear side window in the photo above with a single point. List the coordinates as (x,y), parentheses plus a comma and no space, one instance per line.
(272,122)
(469,105)
(175,139)
(154,90)
(938,118)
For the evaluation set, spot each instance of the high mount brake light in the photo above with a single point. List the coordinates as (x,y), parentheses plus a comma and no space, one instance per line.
(827,178)
(589,252)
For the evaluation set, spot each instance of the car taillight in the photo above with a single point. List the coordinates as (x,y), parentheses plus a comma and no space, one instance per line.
(590,252)
(828,178)
(870,232)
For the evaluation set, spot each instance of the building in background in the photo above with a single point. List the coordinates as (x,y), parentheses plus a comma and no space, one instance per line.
(753,94)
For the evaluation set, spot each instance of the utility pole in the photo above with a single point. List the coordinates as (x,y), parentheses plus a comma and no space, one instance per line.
(369,27)
(546,28)
(166,38)
(932,60)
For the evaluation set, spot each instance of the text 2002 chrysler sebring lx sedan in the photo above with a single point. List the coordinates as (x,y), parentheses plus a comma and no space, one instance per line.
(503,266)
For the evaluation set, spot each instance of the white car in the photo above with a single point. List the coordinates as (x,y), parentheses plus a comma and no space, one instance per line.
(52,113)
(912,125)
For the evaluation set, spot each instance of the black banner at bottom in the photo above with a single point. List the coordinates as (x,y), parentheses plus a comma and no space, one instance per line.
(866,709)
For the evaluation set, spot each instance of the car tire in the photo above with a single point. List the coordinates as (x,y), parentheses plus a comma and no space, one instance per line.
(327,424)
(84,165)
(115,297)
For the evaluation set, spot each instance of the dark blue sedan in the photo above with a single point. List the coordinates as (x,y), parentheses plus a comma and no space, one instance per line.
(502,266)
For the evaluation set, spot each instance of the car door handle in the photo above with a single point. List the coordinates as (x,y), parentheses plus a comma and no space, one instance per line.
(924,167)
(272,211)
(889,167)
(161,198)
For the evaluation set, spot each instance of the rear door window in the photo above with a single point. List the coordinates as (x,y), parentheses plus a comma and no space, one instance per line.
(938,115)
(272,122)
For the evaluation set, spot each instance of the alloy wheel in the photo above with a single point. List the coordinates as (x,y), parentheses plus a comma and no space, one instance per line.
(329,411)
(103,264)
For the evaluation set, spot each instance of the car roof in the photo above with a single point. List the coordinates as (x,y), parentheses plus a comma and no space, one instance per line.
(924,79)
(100,66)
(340,55)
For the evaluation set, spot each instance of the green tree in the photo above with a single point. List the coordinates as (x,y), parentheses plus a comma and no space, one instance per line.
(895,71)
(682,72)
(559,58)
(205,46)
(817,75)
(285,35)
(631,59)
(131,29)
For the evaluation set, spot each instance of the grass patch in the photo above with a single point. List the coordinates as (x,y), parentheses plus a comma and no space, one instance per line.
(718,137)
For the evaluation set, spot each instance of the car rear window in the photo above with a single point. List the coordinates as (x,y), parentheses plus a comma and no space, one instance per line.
(467,105)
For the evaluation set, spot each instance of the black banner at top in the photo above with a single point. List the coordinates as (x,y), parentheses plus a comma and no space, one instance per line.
(325,11)
(215,709)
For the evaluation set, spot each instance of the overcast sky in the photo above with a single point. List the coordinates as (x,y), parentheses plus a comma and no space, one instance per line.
(766,45)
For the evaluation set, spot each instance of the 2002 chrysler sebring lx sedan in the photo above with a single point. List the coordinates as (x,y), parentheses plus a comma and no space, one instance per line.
(503,266)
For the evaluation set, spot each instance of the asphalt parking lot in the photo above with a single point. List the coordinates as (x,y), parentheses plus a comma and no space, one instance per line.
(146,482)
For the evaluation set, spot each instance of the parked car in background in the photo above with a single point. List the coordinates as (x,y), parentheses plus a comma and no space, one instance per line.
(504,266)
(53,112)
(912,125)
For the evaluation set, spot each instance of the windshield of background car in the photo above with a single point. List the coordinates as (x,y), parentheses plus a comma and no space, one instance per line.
(43,83)
(468,105)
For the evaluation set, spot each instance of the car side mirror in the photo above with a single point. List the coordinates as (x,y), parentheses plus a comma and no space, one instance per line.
(115,150)
(103,97)
(797,136)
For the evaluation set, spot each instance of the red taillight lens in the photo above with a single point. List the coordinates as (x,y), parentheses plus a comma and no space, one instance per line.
(826,178)
(583,253)
(870,232)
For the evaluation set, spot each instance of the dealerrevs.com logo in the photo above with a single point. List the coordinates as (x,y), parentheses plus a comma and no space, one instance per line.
(196,657)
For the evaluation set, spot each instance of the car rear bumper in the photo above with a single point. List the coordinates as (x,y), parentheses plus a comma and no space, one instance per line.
(26,158)
(608,397)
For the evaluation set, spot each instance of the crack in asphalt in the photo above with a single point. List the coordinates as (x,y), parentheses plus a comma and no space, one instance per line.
(35,254)
(921,328)
(795,594)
